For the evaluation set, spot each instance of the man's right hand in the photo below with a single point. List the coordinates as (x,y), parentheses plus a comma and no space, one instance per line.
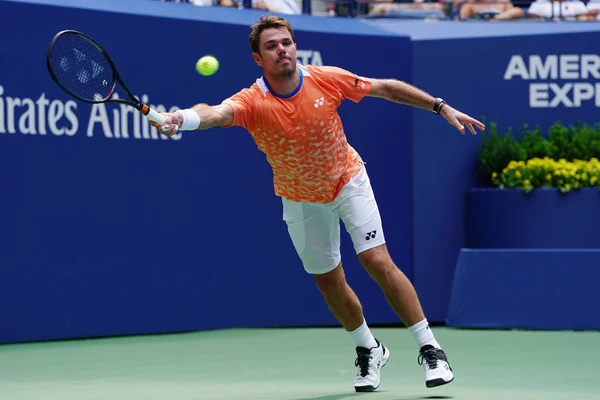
(172,123)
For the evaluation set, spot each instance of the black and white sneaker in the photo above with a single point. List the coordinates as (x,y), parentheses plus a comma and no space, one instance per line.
(369,363)
(437,369)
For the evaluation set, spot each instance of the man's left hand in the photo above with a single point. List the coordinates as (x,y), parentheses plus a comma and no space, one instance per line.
(459,120)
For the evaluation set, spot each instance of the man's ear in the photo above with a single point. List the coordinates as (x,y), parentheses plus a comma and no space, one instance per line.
(257,59)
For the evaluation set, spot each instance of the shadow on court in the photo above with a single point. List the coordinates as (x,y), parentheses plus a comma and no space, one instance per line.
(342,396)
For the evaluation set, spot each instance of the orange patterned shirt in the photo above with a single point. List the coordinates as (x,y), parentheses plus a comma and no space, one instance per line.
(301,133)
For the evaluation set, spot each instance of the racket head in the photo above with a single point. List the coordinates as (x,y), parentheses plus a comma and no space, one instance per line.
(81,67)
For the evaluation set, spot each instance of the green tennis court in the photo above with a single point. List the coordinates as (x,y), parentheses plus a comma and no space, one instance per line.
(300,364)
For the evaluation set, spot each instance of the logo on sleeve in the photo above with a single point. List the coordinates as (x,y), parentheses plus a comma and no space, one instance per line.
(358,82)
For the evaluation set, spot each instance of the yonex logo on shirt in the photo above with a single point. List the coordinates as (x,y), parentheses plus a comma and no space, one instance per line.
(362,84)
(319,102)
(371,235)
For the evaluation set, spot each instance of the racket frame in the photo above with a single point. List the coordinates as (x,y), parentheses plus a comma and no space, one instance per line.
(137,104)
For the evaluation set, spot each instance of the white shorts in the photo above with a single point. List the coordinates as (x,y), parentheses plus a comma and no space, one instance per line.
(315,228)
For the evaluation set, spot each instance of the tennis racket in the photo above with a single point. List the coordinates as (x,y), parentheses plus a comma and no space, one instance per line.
(83,69)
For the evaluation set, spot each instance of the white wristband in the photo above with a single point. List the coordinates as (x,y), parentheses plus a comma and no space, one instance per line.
(191,120)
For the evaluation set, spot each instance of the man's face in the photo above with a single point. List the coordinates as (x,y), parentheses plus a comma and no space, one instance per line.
(277,53)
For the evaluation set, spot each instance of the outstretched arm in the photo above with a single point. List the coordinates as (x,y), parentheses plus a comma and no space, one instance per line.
(198,117)
(404,93)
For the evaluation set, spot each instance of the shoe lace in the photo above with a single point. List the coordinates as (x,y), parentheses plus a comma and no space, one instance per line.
(362,361)
(430,357)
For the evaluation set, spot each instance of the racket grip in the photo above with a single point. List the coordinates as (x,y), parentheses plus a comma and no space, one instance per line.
(155,116)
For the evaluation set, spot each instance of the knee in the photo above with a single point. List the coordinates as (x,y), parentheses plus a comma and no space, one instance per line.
(332,281)
(377,262)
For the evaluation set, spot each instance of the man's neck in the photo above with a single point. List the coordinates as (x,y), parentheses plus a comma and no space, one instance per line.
(283,86)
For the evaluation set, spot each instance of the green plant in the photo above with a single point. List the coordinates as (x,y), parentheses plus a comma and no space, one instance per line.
(560,138)
(496,151)
(534,144)
(575,143)
(585,141)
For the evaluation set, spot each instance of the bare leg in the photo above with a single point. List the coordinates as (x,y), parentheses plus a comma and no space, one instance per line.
(398,290)
(340,298)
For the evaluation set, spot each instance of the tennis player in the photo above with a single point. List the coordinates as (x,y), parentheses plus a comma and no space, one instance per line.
(291,112)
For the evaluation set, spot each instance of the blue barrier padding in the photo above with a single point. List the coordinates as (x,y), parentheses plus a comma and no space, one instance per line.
(543,219)
(527,288)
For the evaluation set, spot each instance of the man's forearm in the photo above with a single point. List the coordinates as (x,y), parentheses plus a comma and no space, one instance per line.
(403,93)
(208,117)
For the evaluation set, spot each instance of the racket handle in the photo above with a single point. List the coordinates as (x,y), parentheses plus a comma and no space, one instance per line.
(155,116)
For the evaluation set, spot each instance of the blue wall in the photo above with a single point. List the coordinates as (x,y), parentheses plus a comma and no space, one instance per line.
(104,235)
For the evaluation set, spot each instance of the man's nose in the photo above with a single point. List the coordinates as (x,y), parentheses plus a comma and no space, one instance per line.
(280,49)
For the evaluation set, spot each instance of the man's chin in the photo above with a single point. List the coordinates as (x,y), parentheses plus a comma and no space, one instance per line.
(288,71)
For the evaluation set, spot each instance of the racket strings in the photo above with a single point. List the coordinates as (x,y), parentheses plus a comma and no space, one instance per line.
(82,68)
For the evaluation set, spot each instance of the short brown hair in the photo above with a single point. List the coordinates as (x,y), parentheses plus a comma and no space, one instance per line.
(266,22)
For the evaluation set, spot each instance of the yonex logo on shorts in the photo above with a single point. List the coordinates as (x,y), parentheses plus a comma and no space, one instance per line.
(371,235)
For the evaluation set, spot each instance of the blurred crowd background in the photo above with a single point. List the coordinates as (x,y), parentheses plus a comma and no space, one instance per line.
(457,10)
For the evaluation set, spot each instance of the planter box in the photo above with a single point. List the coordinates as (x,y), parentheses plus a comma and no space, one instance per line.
(526,289)
(507,218)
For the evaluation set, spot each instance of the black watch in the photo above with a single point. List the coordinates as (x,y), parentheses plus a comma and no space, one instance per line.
(439,103)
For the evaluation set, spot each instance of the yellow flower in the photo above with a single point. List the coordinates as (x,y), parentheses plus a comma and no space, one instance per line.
(566,175)
(494,175)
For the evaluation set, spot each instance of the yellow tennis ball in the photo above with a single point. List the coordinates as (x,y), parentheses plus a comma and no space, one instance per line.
(207,65)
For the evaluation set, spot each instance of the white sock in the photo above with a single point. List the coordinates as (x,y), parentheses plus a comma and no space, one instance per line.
(423,334)
(363,337)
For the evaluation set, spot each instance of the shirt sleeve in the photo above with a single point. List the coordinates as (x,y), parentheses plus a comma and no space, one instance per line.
(350,85)
(242,104)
